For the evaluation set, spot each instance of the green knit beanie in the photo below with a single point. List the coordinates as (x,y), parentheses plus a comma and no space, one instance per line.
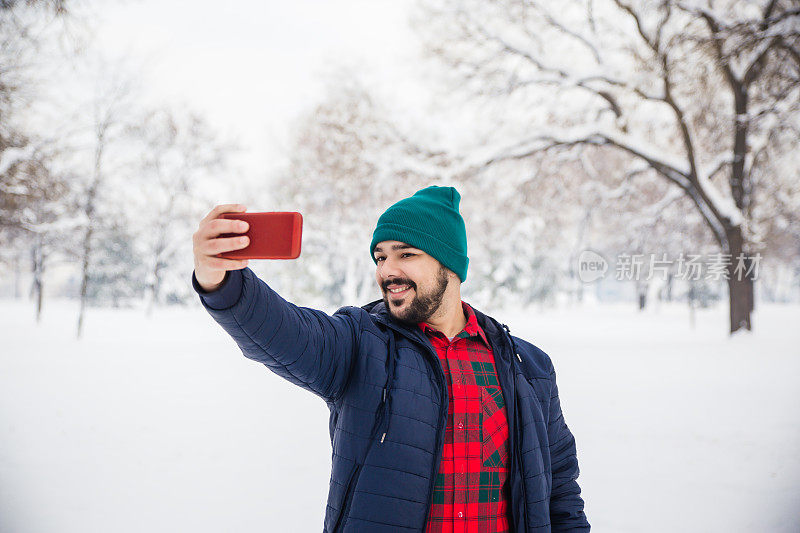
(428,220)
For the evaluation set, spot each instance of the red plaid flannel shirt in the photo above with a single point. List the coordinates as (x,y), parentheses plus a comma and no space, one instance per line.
(471,490)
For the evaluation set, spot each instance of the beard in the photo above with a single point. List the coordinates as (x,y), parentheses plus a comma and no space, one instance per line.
(423,305)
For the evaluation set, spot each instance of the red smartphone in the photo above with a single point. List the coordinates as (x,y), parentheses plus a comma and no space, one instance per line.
(273,235)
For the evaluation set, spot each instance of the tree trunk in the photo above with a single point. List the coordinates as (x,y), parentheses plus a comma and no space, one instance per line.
(160,261)
(740,282)
(153,289)
(641,293)
(668,288)
(87,250)
(37,256)
(17,277)
(91,195)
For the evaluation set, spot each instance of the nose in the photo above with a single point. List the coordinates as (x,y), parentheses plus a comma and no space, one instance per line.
(389,269)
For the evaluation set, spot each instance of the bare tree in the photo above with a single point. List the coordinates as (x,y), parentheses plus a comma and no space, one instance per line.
(31,191)
(110,114)
(697,92)
(20,154)
(175,151)
(41,221)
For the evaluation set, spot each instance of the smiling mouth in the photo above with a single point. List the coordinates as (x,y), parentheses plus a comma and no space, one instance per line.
(399,294)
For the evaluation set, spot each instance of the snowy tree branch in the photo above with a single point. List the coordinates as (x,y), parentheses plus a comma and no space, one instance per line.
(714,207)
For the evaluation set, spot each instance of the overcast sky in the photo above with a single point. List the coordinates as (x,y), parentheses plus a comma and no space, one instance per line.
(252,66)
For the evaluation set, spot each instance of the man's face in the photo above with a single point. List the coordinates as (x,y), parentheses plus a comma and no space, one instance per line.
(424,278)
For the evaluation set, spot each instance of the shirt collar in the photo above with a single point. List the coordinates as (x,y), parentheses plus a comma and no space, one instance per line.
(472,327)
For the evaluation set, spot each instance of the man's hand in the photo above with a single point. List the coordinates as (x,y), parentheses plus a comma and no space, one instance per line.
(208,269)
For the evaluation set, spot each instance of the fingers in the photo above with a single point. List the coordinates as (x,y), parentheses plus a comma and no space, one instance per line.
(206,262)
(216,227)
(208,244)
(224,208)
(227,244)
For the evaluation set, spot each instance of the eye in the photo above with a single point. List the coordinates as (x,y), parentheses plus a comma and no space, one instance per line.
(401,255)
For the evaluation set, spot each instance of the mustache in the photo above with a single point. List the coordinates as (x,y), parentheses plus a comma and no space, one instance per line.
(398,282)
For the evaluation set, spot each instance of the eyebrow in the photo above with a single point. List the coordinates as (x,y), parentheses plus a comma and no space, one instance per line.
(394,247)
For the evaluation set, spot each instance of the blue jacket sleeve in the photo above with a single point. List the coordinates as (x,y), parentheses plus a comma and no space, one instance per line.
(305,346)
(566,504)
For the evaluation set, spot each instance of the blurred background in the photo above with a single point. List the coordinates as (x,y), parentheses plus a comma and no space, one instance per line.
(630,181)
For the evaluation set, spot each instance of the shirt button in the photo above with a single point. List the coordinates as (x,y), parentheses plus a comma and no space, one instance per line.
(460,425)
(460,514)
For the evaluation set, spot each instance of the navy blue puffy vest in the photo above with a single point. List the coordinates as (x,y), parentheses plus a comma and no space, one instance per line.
(387,395)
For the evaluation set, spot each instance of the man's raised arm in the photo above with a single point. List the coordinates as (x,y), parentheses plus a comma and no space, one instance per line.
(307,347)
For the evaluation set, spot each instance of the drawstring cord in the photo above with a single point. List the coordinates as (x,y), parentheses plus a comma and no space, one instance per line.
(513,344)
(386,399)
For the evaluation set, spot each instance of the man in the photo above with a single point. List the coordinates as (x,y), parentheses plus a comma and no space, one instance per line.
(441,420)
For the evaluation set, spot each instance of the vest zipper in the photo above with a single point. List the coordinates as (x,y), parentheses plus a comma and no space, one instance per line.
(521,470)
(517,429)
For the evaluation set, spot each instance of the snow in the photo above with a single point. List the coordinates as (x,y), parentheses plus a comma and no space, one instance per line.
(163,425)
(11,156)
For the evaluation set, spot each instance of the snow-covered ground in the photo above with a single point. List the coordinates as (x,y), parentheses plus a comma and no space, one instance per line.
(161,425)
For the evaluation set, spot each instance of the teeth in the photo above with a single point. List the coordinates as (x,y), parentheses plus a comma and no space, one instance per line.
(400,289)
